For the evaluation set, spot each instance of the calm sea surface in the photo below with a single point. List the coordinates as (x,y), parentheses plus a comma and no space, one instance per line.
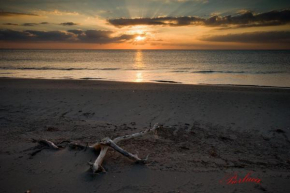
(265,68)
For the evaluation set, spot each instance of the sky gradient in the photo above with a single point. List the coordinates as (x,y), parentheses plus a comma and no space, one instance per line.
(150,24)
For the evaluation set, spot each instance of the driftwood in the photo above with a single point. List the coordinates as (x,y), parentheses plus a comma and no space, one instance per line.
(102,146)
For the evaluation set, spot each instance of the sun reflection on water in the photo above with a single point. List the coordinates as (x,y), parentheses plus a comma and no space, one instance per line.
(139,77)
(139,59)
(139,65)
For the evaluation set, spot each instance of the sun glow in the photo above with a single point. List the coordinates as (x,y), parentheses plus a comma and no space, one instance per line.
(140,38)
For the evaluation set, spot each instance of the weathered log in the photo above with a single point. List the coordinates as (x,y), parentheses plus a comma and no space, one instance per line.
(97,165)
(78,146)
(44,144)
(126,137)
(49,144)
(122,151)
(103,147)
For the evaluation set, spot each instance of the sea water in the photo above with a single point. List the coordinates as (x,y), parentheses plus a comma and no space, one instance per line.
(245,67)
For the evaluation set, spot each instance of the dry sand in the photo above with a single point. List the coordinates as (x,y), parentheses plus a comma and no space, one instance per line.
(209,132)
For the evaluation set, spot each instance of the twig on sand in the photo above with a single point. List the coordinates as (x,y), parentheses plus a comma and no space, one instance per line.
(102,147)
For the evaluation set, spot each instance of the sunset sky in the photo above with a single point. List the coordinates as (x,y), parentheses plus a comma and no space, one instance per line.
(140,24)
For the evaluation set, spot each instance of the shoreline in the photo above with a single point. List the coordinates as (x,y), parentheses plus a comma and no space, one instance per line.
(165,82)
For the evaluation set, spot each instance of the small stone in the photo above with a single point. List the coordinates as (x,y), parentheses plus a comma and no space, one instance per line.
(280,131)
(51,129)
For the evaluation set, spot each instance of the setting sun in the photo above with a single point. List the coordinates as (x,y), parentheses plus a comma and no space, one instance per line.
(140,38)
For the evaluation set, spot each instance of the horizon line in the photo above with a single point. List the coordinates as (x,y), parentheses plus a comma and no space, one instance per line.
(146,49)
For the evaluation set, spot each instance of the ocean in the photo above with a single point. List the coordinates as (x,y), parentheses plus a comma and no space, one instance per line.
(262,68)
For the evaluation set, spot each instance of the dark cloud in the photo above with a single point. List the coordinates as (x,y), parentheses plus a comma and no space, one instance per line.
(98,36)
(8,14)
(253,37)
(95,36)
(246,19)
(73,36)
(11,35)
(68,24)
(50,36)
(169,21)
(76,31)
(249,19)
(9,24)
(29,24)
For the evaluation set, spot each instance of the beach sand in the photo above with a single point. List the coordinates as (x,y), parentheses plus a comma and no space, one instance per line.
(209,132)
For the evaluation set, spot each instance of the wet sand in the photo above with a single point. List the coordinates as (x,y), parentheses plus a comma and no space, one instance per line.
(208,132)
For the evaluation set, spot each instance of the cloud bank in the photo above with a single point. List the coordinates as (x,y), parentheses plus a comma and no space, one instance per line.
(281,37)
(9,14)
(246,19)
(68,24)
(15,24)
(72,36)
